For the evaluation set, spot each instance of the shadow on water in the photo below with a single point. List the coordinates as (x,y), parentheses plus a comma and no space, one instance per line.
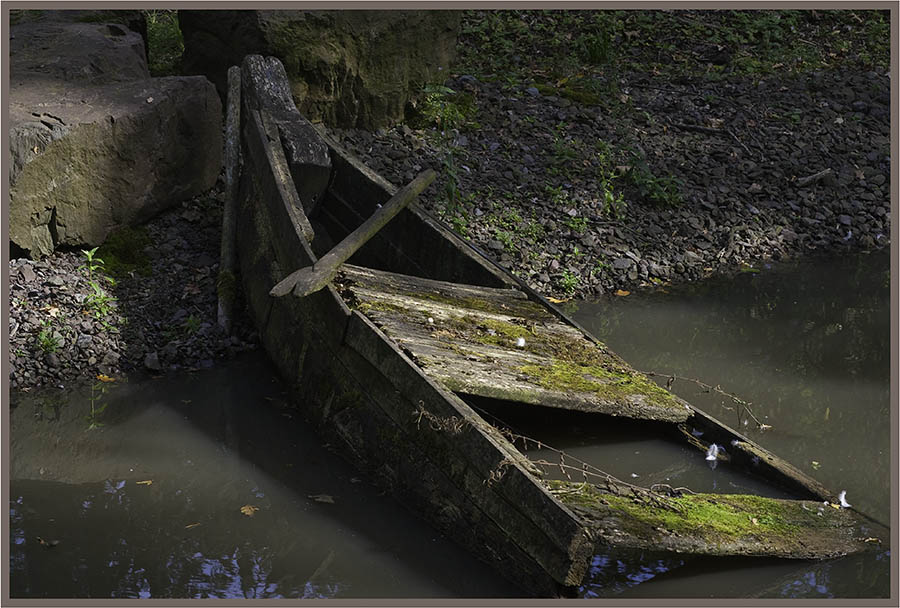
(150,503)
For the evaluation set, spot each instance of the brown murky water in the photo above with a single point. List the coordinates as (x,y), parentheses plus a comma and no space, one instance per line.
(145,495)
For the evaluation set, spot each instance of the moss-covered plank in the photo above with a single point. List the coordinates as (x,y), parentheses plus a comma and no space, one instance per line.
(714,524)
(495,343)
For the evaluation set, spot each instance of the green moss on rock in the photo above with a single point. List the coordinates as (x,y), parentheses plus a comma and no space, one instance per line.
(123,252)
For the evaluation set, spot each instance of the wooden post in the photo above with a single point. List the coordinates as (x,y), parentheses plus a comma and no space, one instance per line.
(226,283)
(313,278)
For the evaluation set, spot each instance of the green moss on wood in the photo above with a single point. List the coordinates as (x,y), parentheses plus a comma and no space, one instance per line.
(226,285)
(712,517)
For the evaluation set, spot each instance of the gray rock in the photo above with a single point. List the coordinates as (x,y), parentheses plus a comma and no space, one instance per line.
(151,362)
(84,341)
(691,258)
(846,220)
(52,360)
(533,92)
(622,263)
(164,134)
(354,68)
(27,273)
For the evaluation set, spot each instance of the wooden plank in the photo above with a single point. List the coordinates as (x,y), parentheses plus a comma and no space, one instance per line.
(226,283)
(475,444)
(494,343)
(745,453)
(504,300)
(348,405)
(415,242)
(306,280)
(712,524)
(307,157)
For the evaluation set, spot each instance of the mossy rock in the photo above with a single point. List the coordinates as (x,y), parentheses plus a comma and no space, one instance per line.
(123,253)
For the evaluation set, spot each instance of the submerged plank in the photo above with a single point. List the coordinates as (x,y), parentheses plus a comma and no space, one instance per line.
(714,524)
(496,343)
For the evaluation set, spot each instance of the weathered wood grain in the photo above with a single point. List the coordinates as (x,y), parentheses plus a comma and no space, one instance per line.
(226,283)
(305,281)
(496,343)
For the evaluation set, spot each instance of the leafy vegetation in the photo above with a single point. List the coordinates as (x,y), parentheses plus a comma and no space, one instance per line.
(586,46)
(164,41)
(444,108)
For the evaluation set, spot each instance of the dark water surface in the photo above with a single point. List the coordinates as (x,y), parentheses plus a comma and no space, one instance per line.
(210,443)
(807,345)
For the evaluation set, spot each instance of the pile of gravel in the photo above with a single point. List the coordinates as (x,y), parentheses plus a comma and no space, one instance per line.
(145,324)
(764,169)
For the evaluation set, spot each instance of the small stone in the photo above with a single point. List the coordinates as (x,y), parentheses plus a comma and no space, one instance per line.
(52,360)
(27,273)
(622,263)
(846,220)
(56,281)
(533,92)
(151,362)
(84,340)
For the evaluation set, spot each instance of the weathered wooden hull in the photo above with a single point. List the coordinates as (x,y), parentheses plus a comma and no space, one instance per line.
(388,410)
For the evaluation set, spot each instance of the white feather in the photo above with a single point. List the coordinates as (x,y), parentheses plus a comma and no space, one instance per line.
(842,497)
(713,452)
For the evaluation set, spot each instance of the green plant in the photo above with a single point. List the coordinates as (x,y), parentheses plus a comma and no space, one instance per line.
(452,194)
(92,262)
(568,282)
(507,240)
(445,108)
(99,302)
(47,341)
(191,325)
(164,41)
(612,204)
(98,389)
(460,224)
(578,224)
(657,190)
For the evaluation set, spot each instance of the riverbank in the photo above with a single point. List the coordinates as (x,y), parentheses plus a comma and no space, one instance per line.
(588,165)
(588,169)
(147,306)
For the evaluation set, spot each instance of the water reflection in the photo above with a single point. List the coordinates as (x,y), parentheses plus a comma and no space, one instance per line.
(206,486)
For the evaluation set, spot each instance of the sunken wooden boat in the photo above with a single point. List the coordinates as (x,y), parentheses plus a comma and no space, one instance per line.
(382,353)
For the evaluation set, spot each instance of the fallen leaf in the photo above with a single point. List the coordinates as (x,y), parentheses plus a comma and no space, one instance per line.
(53,311)
(189,526)
(815,465)
(755,521)
(556,300)
(323,498)
(622,292)
(834,506)
(105,378)
(146,482)
(765,427)
(35,149)
(249,510)
(872,539)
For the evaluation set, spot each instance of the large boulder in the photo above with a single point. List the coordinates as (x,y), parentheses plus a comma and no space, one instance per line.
(348,68)
(95,143)
(133,20)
